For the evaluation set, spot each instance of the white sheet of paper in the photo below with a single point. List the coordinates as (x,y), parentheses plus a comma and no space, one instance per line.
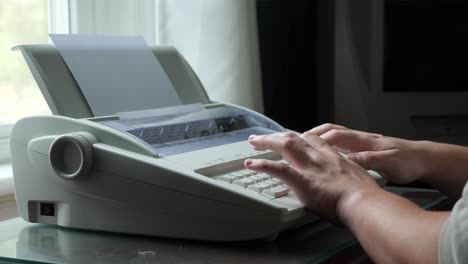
(116,73)
(172,111)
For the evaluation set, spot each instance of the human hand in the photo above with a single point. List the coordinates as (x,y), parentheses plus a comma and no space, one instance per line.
(397,160)
(321,178)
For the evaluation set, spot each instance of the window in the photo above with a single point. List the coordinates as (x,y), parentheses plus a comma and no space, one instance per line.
(21,22)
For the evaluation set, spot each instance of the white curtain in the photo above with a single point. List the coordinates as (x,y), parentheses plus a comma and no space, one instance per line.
(217,37)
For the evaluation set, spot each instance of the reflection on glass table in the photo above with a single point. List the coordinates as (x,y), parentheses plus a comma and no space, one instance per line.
(39,243)
(22,242)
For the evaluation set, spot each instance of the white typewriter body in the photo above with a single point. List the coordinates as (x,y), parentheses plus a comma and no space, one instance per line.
(77,170)
(108,180)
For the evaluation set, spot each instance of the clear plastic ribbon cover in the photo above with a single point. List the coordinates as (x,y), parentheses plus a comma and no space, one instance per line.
(180,129)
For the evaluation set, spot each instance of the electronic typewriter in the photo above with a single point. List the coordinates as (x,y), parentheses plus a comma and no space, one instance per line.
(172,174)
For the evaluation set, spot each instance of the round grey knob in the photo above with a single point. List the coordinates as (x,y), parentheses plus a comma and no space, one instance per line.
(71,155)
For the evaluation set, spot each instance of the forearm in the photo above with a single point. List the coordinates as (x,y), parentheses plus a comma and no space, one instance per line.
(392,229)
(447,167)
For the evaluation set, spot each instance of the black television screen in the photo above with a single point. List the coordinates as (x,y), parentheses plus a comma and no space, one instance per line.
(425,46)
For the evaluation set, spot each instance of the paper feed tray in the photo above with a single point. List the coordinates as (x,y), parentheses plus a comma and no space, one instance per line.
(64,96)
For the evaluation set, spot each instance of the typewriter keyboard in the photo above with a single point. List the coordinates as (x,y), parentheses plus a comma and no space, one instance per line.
(260,183)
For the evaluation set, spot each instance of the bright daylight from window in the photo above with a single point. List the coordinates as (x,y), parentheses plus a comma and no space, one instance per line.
(21,22)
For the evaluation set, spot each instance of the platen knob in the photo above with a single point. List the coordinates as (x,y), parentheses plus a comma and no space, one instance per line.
(71,155)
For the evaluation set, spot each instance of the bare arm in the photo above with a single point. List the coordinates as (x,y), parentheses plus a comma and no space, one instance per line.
(390,228)
(402,161)
(447,167)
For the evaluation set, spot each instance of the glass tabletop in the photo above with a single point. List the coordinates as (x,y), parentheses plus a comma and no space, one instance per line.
(23,242)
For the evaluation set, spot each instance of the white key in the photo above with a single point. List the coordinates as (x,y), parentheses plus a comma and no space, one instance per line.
(255,178)
(272,183)
(227,178)
(263,176)
(237,174)
(277,181)
(244,182)
(259,187)
(293,205)
(277,191)
(246,173)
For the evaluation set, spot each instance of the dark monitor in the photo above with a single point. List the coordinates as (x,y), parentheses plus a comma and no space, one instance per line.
(400,68)
(426,46)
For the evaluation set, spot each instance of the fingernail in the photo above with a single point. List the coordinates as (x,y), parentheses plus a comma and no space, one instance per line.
(248,162)
(252,137)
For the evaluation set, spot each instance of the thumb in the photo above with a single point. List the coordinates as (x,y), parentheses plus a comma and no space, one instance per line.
(374,160)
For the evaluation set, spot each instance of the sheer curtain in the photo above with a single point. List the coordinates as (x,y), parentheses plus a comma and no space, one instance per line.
(217,37)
